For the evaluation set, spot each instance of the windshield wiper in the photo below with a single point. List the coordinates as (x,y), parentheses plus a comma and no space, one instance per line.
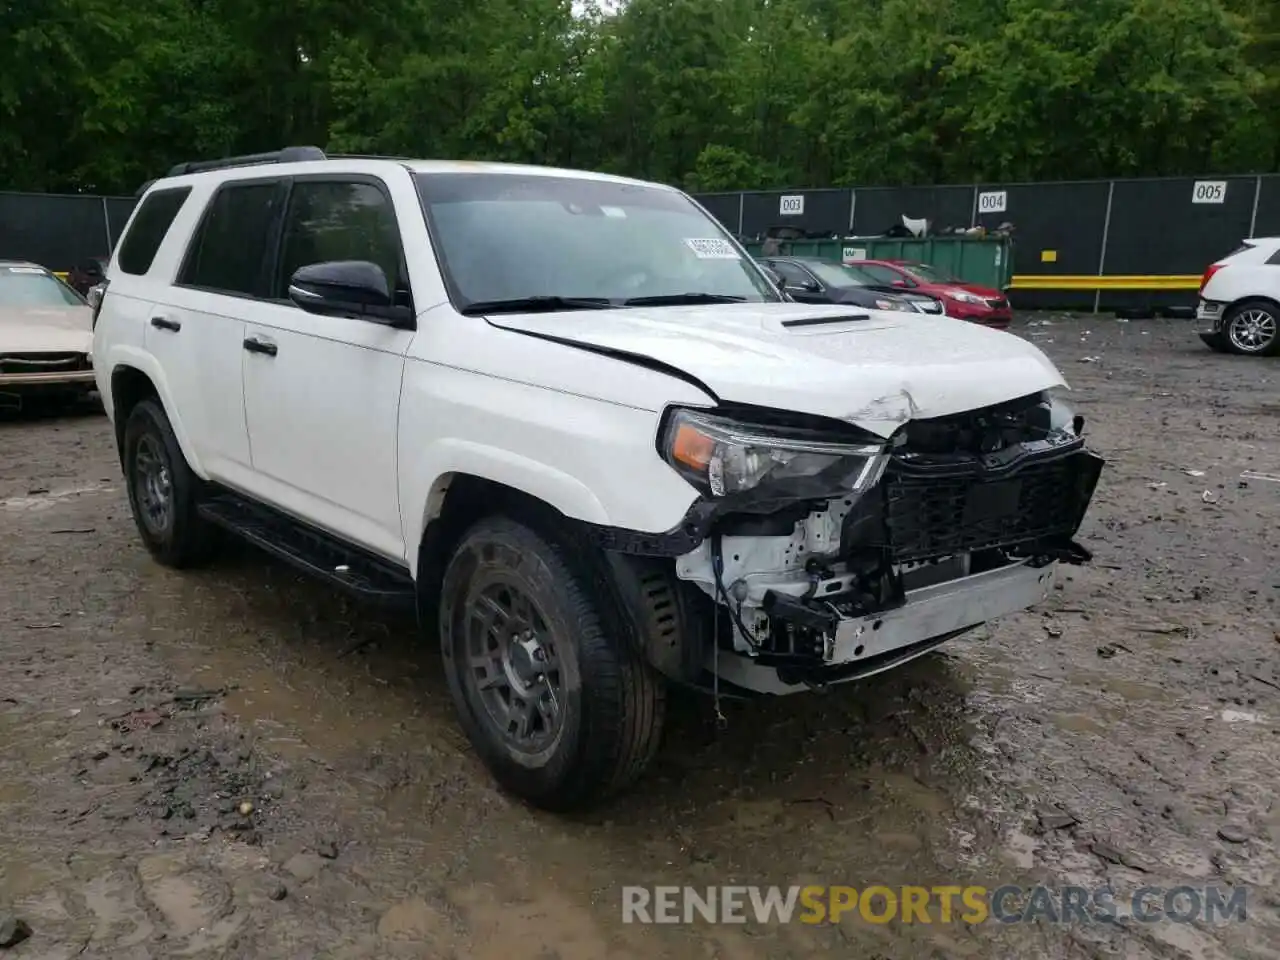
(539,304)
(675,299)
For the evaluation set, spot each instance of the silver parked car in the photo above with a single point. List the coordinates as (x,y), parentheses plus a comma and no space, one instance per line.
(46,336)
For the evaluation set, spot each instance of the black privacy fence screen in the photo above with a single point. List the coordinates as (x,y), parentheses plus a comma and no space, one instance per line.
(1094,245)
(1102,244)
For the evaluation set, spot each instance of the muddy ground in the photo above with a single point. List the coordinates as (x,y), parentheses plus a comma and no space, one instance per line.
(236,763)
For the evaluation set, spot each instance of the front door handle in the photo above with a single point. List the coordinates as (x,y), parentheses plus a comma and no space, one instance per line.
(254,345)
(163,323)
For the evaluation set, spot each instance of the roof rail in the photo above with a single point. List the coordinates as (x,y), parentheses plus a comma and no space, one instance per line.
(287,155)
(365,156)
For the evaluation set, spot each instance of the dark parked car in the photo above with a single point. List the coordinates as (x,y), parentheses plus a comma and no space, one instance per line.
(86,274)
(810,280)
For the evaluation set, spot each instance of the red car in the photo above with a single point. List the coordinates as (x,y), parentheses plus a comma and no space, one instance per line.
(961,299)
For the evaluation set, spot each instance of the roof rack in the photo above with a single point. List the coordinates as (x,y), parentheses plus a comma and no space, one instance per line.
(364,156)
(287,155)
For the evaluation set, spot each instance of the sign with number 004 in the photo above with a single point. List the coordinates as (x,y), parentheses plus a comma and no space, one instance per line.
(993,201)
(1209,191)
(792,206)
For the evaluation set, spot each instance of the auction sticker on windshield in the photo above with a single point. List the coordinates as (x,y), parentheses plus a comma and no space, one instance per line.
(712,249)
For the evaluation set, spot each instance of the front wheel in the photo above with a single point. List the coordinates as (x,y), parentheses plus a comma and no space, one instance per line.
(554,697)
(1253,328)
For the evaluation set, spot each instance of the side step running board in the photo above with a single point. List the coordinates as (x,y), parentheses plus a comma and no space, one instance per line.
(314,552)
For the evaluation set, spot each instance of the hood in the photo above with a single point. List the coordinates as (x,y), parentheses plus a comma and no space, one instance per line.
(877,372)
(40,329)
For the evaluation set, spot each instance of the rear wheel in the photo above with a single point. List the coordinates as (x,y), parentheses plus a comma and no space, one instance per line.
(1253,327)
(558,703)
(162,490)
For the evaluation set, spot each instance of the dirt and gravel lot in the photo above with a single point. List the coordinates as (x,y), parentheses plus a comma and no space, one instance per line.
(236,763)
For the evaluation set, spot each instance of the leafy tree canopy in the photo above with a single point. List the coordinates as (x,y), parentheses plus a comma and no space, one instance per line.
(100,95)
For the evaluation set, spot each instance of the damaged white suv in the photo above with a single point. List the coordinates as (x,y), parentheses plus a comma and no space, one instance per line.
(567,417)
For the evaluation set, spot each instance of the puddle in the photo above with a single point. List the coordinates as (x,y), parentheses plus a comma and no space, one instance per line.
(1132,690)
(1079,723)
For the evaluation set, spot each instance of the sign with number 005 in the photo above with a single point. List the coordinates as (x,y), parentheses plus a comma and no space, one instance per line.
(792,206)
(1209,191)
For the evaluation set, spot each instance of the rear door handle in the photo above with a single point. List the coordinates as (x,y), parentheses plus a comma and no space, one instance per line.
(163,323)
(254,345)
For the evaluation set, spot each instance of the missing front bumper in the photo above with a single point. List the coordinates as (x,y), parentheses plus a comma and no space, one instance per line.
(864,646)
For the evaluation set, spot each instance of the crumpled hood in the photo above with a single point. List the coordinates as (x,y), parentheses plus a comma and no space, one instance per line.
(39,329)
(876,372)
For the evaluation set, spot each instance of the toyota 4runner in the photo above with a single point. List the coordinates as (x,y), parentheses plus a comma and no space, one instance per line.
(567,418)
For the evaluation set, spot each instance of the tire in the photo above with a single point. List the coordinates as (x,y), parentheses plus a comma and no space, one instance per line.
(1252,328)
(155,470)
(601,722)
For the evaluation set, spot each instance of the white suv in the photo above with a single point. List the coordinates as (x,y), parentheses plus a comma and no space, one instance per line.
(1240,299)
(567,417)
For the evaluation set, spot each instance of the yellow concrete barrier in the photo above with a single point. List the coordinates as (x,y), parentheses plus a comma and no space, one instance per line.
(1117,282)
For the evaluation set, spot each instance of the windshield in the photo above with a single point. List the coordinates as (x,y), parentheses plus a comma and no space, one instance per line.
(578,242)
(839,274)
(34,287)
(929,274)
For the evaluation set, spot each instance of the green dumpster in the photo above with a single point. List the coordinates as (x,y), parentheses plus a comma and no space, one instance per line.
(987,261)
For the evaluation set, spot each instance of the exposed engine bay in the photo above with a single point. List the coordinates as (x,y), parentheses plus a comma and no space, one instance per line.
(982,504)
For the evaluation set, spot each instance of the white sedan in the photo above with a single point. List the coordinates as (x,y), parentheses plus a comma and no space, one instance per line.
(46,336)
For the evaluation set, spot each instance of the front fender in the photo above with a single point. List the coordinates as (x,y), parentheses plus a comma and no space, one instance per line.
(452,456)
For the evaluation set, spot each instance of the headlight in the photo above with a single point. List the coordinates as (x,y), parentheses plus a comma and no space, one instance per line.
(1061,416)
(964,296)
(722,457)
(891,305)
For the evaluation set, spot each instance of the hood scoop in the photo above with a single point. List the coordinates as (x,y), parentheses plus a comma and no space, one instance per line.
(810,321)
(826,321)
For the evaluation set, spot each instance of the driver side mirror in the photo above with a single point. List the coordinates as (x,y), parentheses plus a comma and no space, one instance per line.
(348,288)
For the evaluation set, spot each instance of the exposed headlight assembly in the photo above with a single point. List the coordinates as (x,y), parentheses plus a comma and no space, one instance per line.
(883,304)
(722,456)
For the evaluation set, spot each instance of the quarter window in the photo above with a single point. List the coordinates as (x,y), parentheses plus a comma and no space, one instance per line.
(142,241)
(341,220)
(229,249)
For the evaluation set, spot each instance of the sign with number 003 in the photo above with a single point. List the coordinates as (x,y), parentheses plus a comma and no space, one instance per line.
(792,206)
(1209,191)
(993,201)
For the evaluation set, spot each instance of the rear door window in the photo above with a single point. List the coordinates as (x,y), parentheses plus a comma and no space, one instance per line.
(228,253)
(147,231)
